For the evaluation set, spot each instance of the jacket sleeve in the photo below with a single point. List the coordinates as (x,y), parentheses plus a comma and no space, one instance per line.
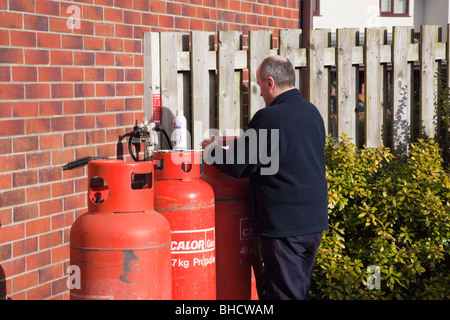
(241,159)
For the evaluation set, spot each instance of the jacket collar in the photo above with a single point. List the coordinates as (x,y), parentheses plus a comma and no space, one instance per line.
(284,96)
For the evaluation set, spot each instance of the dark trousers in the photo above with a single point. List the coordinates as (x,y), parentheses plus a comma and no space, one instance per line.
(288,265)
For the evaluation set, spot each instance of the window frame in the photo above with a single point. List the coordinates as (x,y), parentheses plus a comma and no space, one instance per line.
(391,13)
(317,12)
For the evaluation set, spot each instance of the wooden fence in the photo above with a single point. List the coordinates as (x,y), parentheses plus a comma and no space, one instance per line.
(212,77)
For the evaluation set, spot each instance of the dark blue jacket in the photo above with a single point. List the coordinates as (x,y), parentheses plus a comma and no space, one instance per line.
(286,166)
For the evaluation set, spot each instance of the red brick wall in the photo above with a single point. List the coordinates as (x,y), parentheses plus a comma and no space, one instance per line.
(66,94)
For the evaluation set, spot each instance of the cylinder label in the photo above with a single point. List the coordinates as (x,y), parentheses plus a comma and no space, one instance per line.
(193,241)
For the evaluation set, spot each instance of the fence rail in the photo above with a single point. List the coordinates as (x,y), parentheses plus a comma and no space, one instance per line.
(212,77)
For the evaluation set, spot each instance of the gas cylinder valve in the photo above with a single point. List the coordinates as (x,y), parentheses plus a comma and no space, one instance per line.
(144,133)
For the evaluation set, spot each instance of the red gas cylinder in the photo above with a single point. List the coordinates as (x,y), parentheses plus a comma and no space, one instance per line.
(187,202)
(235,245)
(121,246)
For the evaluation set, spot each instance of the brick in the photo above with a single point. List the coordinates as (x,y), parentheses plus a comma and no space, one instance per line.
(139,89)
(36,56)
(83,58)
(4,38)
(47,7)
(12,162)
(124,60)
(12,198)
(25,144)
(26,212)
(113,44)
(38,260)
(61,57)
(106,120)
(166,21)
(50,207)
(10,20)
(141,5)
(58,25)
(36,22)
(50,272)
(38,159)
(21,5)
(38,226)
(95,106)
(50,108)
(23,38)
(5,73)
(86,28)
(73,107)
(9,55)
(28,74)
(113,14)
(62,123)
(133,104)
(93,43)
(60,157)
(125,4)
(12,127)
(5,183)
(84,90)
(93,13)
(62,90)
(12,233)
(25,109)
(38,193)
(25,246)
(133,75)
(74,202)
(51,141)
(117,104)
(50,74)
(74,139)
(11,91)
(62,188)
(84,122)
(60,253)
(150,19)
(37,91)
(49,40)
(63,220)
(94,74)
(59,286)
(104,59)
(5,146)
(124,89)
(71,42)
(123,31)
(40,293)
(132,17)
(25,281)
(115,75)
(105,89)
(40,125)
(50,174)
(104,29)
(124,119)
(95,137)
(5,254)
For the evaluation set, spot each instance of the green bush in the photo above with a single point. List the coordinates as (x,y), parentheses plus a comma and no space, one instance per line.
(388,212)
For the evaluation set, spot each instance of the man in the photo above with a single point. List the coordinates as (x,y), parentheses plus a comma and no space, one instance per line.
(288,199)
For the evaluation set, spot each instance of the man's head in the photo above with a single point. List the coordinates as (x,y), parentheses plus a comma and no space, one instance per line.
(274,76)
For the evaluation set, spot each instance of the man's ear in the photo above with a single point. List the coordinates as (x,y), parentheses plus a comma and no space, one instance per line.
(270,82)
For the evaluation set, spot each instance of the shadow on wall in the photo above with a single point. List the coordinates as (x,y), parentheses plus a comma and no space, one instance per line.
(3,285)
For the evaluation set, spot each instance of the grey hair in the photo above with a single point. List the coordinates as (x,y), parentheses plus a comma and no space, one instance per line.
(280,69)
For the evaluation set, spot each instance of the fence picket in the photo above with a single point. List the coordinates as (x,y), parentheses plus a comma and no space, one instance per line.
(199,79)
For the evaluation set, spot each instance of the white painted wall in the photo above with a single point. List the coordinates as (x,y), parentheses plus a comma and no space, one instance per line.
(360,14)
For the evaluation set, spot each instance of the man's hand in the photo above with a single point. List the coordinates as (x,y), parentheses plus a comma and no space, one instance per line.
(211,141)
